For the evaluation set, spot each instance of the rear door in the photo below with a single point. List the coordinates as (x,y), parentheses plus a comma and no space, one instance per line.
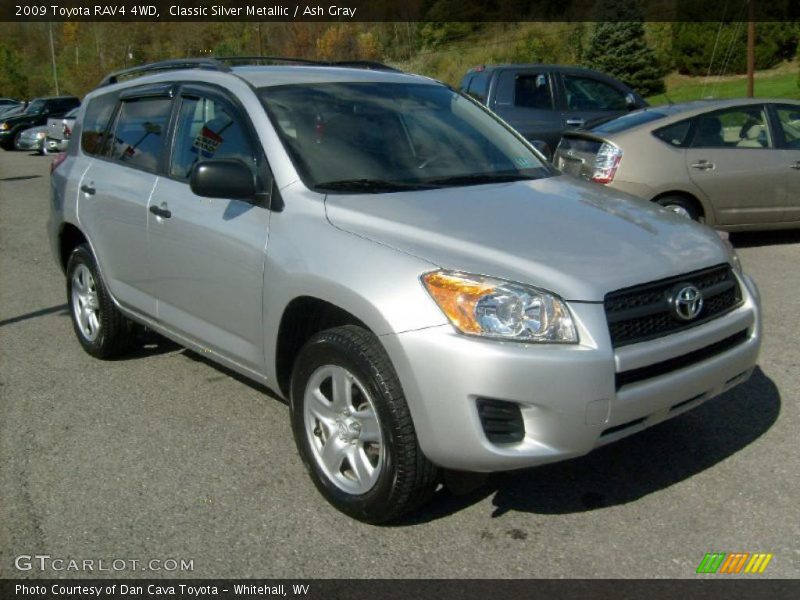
(732,158)
(788,137)
(114,192)
(525,99)
(208,253)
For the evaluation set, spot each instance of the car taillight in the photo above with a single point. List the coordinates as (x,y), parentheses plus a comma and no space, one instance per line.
(606,163)
(67,131)
(57,160)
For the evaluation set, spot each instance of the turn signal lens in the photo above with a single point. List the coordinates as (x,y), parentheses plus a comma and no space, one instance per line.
(606,163)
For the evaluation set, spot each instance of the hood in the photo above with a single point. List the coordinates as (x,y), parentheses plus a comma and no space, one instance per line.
(576,239)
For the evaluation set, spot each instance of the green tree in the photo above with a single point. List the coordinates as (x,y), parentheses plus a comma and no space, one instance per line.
(13,75)
(618,47)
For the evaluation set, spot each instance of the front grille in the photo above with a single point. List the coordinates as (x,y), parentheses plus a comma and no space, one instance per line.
(680,362)
(502,421)
(643,312)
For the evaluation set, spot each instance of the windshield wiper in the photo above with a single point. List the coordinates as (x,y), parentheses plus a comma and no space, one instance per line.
(479,178)
(366,186)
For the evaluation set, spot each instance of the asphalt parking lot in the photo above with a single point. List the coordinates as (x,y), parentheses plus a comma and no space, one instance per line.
(163,455)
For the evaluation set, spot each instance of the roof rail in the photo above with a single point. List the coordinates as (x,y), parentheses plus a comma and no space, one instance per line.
(165,65)
(224,64)
(355,64)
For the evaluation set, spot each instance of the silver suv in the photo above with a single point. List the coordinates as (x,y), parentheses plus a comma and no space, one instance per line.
(389,256)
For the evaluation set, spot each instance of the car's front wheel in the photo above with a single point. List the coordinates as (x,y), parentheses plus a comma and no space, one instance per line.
(353,427)
(101,329)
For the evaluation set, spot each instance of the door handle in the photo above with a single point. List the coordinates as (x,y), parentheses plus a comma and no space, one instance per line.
(795,165)
(703,165)
(88,189)
(164,213)
(575,122)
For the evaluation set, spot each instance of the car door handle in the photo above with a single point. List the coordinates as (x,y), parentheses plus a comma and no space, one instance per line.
(164,213)
(795,165)
(88,189)
(575,122)
(703,165)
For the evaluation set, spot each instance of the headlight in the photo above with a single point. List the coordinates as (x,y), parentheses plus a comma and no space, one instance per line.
(4,127)
(734,257)
(488,307)
(40,135)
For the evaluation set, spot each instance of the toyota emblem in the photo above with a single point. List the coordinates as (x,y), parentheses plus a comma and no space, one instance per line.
(687,302)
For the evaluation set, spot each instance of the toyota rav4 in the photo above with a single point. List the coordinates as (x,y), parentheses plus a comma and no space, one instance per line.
(425,290)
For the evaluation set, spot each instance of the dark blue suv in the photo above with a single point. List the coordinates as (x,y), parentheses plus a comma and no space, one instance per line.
(543,101)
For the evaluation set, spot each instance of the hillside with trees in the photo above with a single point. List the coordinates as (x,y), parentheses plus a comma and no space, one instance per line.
(640,53)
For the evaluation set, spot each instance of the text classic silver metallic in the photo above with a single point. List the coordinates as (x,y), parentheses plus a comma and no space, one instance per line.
(425,290)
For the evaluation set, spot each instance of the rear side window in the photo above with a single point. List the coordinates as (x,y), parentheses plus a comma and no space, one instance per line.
(139,132)
(95,123)
(675,134)
(208,129)
(533,91)
(737,127)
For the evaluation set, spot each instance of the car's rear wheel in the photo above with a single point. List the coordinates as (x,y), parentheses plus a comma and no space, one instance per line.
(101,329)
(680,206)
(353,428)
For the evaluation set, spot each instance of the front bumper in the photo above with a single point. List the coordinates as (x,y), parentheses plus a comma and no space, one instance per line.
(568,394)
(26,143)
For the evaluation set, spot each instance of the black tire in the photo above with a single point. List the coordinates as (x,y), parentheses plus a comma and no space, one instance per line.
(115,334)
(407,478)
(680,205)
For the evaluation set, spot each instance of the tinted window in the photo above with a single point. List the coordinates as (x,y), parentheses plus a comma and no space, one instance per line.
(479,86)
(739,127)
(628,121)
(533,91)
(95,123)
(139,132)
(585,93)
(207,129)
(35,107)
(789,118)
(674,134)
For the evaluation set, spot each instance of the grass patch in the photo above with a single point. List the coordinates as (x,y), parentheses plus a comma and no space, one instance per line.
(777,83)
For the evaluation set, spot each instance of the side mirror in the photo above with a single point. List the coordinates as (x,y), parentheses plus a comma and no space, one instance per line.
(223,178)
(630,101)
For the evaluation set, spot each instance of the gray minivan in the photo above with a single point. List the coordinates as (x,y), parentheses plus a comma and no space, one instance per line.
(543,101)
(426,292)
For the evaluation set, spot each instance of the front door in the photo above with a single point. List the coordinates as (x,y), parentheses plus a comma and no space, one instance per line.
(207,254)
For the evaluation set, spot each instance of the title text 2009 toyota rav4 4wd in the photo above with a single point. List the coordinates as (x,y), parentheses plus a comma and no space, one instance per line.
(388,255)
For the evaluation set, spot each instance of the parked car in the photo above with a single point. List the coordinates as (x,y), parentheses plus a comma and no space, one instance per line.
(424,290)
(59,131)
(11,109)
(734,164)
(36,113)
(31,139)
(7,103)
(544,101)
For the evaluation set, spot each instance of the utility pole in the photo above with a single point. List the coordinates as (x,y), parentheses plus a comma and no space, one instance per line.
(751,45)
(53,56)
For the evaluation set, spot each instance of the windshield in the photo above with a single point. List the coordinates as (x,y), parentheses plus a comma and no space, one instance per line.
(383,137)
(640,117)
